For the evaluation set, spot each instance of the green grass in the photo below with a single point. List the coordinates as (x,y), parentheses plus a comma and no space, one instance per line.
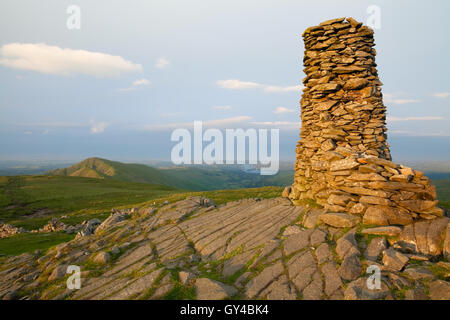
(80,198)
(443,192)
(440,272)
(30,242)
(222,196)
(188,178)
(180,292)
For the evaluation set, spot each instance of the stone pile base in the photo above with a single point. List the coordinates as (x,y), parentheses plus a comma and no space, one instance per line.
(378,190)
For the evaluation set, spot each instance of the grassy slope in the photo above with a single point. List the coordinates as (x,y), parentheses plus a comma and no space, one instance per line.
(107,169)
(30,242)
(24,197)
(188,178)
(86,198)
(443,191)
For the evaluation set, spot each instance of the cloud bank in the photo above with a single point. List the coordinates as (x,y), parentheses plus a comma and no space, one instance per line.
(441,95)
(63,61)
(281,110)
(221,107)
(425,118)
(162,63)
(236,84)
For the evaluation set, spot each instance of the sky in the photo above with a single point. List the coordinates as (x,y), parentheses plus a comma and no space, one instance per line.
(117,86)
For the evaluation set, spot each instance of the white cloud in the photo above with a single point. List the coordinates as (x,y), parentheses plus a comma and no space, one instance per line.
(419,134)
(226,121)
(98,127)
(441,95)
(63,61)
(281,110)
(221,107)
(161,63)
(284,125)
(401,101)
(53,124)
(141,82)
(135,84)
(236,84)
(218,123)
(425,118)
(235,122)
(94,127)
(398,98)
(278,89)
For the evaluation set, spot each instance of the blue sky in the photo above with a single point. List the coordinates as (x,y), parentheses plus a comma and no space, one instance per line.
(136,70)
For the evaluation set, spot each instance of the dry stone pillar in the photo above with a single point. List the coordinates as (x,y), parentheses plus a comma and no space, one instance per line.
(343,160)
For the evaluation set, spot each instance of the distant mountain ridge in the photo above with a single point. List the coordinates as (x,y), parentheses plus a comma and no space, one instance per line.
(107,169)
(186,178)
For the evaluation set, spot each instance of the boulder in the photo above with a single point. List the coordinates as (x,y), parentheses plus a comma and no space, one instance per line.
(286,192)
(440,290)
(386,215)
(339,220)
(394,260)
(112,220)
(208,289)
(446,250)
(346,245)
(390,231)
(7,230)
(88,227)
(375,247)
(185,277)
(102,257)
(58,273)
(426,237)
(350,268)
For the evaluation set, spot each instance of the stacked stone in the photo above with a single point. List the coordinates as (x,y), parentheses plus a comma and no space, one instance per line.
(7,230)
(343,159)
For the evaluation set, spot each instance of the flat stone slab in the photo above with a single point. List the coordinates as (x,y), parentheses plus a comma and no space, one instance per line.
(375,247)
(440,290)
(263,279)
(243,243)
(207,289)
(390,231)
(394,260)
(339,220)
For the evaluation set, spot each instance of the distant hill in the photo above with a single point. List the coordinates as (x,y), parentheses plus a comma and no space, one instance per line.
(106,169)
(186,178)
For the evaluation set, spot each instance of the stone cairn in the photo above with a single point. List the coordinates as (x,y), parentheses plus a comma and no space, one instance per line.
(343,159)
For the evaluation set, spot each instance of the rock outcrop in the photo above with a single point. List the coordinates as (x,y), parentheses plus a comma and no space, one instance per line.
(343,158)
(54,225)
(7,230)
(247,249)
